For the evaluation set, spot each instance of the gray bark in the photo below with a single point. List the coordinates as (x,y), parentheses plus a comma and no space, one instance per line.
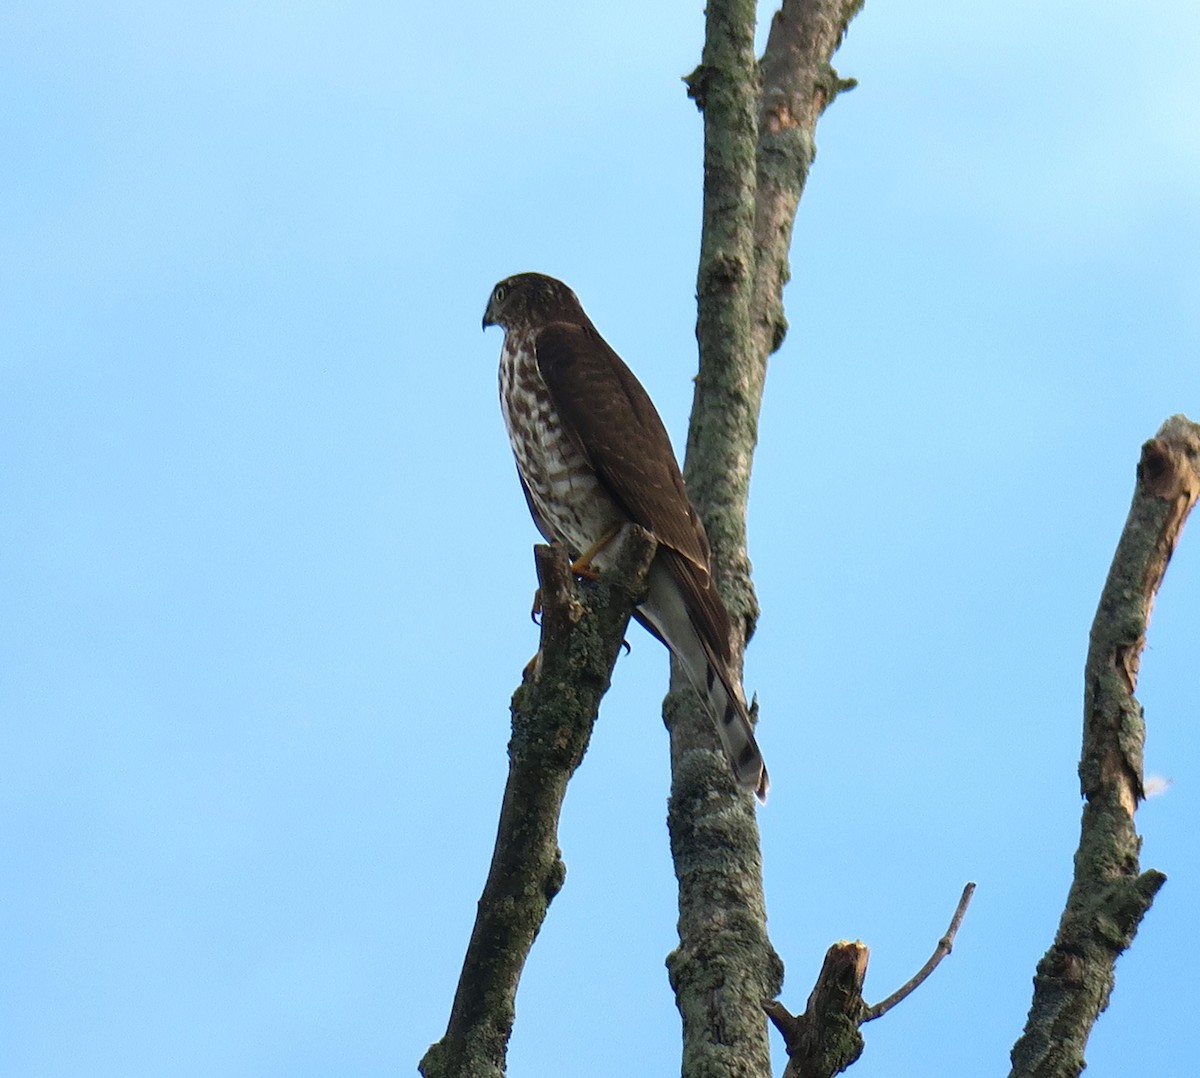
(553,713)
(759,134)
(1110,893)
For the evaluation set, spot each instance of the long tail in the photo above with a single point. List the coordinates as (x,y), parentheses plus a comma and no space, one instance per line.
(683,610)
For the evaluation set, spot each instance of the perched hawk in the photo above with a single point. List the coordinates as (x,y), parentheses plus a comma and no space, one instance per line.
(592,454)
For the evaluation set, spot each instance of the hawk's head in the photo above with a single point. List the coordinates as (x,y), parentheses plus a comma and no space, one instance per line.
(531,298)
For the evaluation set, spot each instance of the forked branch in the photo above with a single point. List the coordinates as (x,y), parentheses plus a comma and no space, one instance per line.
(759,130)
(826,1038)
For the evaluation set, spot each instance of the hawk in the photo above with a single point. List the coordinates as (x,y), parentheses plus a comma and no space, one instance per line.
(592,455)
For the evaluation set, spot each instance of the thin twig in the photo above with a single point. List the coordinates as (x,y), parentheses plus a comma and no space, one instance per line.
(944,947)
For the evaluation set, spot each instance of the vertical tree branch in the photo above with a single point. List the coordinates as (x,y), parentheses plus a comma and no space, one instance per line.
(725,965)
(1110,894)
(724,420)
(553,713)
(798,84)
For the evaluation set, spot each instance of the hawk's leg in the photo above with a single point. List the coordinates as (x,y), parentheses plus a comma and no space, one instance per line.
(582,566)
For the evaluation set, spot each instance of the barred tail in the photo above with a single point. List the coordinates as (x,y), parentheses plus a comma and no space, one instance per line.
(679,610)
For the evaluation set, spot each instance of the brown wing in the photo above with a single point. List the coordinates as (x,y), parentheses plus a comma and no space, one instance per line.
(598,398)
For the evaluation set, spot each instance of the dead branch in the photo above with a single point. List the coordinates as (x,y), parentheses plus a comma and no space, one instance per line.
(753,178)
(826,1038)
(1110,894)
(553,712)
(944,947)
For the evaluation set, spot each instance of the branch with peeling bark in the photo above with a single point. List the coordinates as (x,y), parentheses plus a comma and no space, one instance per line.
(798,85)
(825,1039)
(553,712)
(1110,894)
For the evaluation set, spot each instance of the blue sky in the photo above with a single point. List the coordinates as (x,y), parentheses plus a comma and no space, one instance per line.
(267,569)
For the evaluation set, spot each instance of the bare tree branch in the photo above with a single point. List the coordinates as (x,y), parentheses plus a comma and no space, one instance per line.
(798,84)
(724,964)
(826,1039)
(944,947)
(583,625)
(1110,894)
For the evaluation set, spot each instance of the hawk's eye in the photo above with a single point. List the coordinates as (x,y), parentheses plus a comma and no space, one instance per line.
(500,293)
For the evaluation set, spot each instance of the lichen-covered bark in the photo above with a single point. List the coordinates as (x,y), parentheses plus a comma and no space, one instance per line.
(553,713)
(825,1039)
(754,171)
(1110,894)
(724,422)
(798,84)
(724,967)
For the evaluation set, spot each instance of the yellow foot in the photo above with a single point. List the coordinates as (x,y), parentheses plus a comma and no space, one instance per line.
(582,566)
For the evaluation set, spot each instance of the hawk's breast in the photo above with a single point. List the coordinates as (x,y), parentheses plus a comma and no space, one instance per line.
(569,501)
